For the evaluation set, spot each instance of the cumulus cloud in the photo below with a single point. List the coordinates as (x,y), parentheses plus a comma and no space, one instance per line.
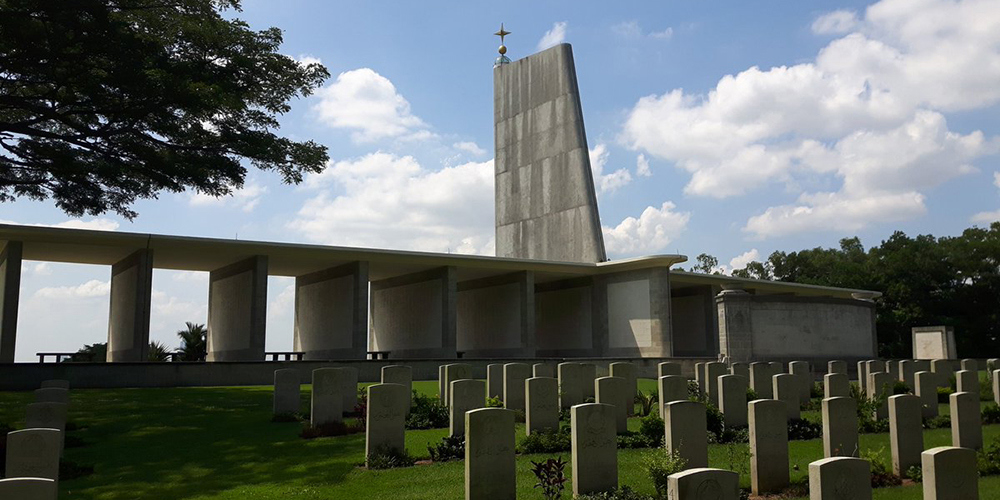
(741,260)
(652,231)
(554,36)
(40,269)
(631,29)
(867,113)
(606,183)
(469,147)
(642,166)
(988,217)
(367,104)
(245,198)
(388,201)
(90,289)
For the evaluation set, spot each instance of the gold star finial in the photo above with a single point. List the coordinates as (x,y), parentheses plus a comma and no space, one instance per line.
(502,33)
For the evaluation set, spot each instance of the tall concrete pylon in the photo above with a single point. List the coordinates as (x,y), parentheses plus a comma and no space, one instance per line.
(546,206)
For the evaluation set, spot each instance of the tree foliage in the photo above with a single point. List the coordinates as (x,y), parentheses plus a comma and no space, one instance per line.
(924,280)
(103,102)
(194,342)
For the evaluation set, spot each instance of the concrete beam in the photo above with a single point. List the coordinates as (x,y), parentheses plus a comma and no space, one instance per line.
(414,315)
(237,311)
(131,295)
(10,291)
(496,316)
(331,313)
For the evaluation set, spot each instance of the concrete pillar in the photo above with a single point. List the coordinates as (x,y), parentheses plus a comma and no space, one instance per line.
(414,315)
(636,314)
(10,291)
(331,313)
(496,316)
(237,311)
(131,297)
(735,330)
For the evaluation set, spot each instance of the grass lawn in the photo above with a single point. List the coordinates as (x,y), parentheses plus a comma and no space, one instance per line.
(219,443)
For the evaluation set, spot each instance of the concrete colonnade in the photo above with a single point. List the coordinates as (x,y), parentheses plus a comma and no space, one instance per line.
(10,291)
(237,310)
(414,315)
(131,298)
(331,313)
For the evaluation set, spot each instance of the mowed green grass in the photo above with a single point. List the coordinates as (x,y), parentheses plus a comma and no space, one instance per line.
(219,443)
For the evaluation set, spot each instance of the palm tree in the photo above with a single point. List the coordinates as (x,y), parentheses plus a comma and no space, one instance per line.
(194,344)
(158,352)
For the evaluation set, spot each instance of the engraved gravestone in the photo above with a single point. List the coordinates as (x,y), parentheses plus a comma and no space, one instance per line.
(594,448)
(612,391)
(402,375)
(514,375)
(570,384)
(760,380)
(906,432)
(490,468)
(626,371)
(28,488)
(385,419)
(703,484)
(542,404)
(326,403)
(840,478)
(685,431)
(671,388)
(768,446)
(466,395)
(950,473)
(287,397)
(33,453)
(840,427)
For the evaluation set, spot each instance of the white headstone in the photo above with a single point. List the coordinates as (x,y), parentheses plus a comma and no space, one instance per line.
(966,420)
(34,453)
(613,391)
(450,373)
(686,431)
(386,418)
(466,395)
(733,399)
(703,484)
(786,389)
(402,375)
(626,371)
(542,370)
(490,467)
(840,427)
(28,488)
(541,404)
(672,388)
(840,478)
(514,375)
(669,368)
(287,397)
(570,384)
(594,448)
(760,380)
(926,389)
(906,432)
(52,395)
(768,446)
(327,402)
(950,473)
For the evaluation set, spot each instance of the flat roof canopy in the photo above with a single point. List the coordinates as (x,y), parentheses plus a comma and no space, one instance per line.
(182,253)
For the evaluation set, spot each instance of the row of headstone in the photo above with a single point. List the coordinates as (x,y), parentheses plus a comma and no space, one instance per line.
(33,453)
(949,473)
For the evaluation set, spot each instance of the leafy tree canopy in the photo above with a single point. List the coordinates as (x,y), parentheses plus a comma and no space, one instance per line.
(103,102)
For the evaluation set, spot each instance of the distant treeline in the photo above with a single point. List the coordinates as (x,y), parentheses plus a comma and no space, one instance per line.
(924,281)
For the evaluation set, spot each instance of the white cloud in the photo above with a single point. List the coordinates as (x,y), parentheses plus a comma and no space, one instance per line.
(868,113)
(611,182)
(307,59)
(651,232)
(390,201)
(836,22)
(41,269)
(90,289)
(741,260)
(642,166)
(663,34)
(368,104)
(469,147)
(92,224)
(988,217)
(631,29)
(554,36)
(245,198)
(283,304)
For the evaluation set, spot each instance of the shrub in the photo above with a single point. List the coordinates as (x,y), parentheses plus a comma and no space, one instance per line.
(659,464)
(751,395)
(389,458)
(694,392)
(882,476)
(550,477)
(519,416)
(622,493)
(900,387)
(985,391)
(550,441)
(867,423)
(450,448)
(816,390)
(426,413)
(989,458)
(938,422)
(734,435)
(651,426)
(915,474)
(564,415)
(494,402)
(991,414)
(330,429)
(715,420)
(803,430)
(943,393)
(632,439)
(647,402)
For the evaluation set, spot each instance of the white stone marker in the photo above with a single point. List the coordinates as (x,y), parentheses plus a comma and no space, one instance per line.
(613,391)
(966,421)
(56,383)
(466,395)
(880,386)
(349,391)
(327,404)
(589,375)
(402,375)
(733,399)
(627,372)
(672,388)
(713,371)
(668,368)
(950,473)
(970,365)
(28,488)
(967,381)
(703,484)
(840,478)
(907,368)
(760,380)
(52,395)
(514,375)
(451,373)
(892,368)
(840,427)
(862,375)
(48,416)
(906,432)
(926,389)
(686,431)
(34,453)
(490,468)
(287,396)
(741,369)
(836,385)
(768,446)
(541,404)
(996,386)
(699,371)
(786,389)
(542,370)
(494,381)
(594,448)
(992,365)
(386,419)
(942,368)
(804,375)
(837,366)
(776,368)
(570,384)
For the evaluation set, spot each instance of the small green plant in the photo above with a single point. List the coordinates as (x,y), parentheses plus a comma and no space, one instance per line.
(621,493)
(989,458)
(915,474)
(450,448)
(384,457)
(900,387)
(426,413)
(752,395)
(867,408)
(882,476)
(938,422)
(551,441)
(550,477)
(804,430)
(816,390)
(943,393)
(659,465)
(738,457)
(991,414)
(494,402)
(647,402)
(329,429)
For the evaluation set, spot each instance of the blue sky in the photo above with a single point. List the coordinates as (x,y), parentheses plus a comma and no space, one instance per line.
(732,128)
